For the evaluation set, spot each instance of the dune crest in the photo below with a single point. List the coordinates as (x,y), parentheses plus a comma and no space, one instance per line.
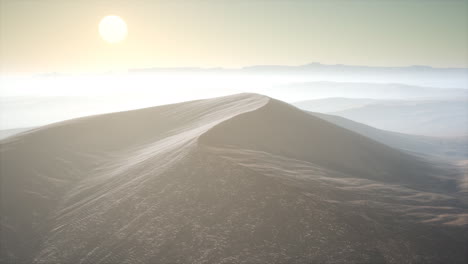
(241,178)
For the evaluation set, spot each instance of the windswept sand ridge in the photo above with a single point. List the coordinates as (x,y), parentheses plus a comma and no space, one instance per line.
(282,129)
(215,181)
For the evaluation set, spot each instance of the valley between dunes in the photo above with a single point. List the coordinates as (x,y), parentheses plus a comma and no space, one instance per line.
(236,179)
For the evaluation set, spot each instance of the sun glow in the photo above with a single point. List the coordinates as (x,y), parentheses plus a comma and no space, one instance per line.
(113,29)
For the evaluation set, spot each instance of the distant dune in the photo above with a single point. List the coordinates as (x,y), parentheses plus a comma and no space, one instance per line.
(335,104)
(10,132)
(431,117)
(443,118)
(300,91)
(453,149)
(236,179)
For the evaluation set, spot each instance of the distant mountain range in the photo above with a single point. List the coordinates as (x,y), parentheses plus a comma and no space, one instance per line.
(413,75)
(315,66)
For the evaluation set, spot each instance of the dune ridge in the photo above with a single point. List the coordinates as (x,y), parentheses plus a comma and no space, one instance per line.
(236,179)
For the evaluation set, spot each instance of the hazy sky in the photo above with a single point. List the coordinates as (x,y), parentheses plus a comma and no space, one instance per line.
(62,35)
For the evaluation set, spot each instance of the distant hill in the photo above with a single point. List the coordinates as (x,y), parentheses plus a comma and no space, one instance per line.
(441,118)
(432,147)
(334,104)
(430,118)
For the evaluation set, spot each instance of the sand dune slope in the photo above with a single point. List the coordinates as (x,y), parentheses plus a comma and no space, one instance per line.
(237,179)
(440,118)
(452,149)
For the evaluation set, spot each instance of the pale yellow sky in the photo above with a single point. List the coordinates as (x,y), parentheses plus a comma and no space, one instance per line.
(62,35)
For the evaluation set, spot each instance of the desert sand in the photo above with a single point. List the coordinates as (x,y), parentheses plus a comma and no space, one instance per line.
(236,179)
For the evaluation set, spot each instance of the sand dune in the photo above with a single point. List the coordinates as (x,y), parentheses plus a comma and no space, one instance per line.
(237,179)
(335,104)
(452,149)
(441,118)
(11,132)
(321,96)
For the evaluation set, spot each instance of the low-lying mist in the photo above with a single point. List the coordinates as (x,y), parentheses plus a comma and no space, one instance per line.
(39,100)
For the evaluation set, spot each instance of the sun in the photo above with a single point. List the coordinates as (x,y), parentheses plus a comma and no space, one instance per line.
(113,29)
